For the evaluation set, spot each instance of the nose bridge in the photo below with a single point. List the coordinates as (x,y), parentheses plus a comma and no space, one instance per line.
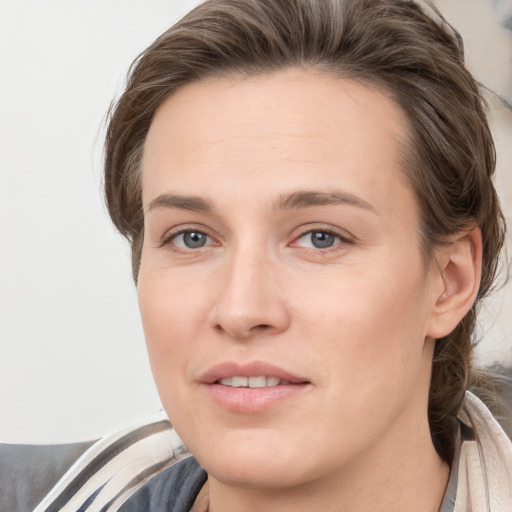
(249,300)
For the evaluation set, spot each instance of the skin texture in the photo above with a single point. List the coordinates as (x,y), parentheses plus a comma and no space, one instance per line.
(354,320)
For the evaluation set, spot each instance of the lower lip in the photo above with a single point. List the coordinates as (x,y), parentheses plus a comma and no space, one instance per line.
(252,400)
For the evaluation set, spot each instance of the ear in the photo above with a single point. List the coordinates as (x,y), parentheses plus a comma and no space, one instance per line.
(458,270)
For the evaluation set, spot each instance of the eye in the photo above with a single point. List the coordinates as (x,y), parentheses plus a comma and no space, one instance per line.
(190,239)
(318,239)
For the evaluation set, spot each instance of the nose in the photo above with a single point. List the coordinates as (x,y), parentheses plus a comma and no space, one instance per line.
(249,301)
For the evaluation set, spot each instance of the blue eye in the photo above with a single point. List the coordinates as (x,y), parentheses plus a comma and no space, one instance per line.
(322,240)
(318,239)
(190,240)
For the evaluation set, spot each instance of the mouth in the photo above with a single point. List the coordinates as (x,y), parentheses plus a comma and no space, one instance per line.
(251,388)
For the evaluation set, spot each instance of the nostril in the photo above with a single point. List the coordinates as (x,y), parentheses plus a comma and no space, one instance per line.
(253,329)
(262,327)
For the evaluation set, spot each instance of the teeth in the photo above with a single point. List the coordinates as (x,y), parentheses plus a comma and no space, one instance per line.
(252,382)
(257,382)
(273,381)
(239,382)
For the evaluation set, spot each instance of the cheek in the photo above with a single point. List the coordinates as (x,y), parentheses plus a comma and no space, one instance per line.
(371,344)
(171,305)
(170,317)
(382,297)
(373,325)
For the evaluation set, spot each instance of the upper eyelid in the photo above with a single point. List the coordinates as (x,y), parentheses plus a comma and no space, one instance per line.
(328,231)
(343,234)
(186,228)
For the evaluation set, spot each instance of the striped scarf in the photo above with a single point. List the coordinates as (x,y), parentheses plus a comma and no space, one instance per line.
(114,468)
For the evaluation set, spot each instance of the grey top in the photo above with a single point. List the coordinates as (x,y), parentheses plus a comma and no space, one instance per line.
(175,489)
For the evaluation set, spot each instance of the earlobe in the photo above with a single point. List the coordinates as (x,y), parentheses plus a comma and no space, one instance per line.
(459,270)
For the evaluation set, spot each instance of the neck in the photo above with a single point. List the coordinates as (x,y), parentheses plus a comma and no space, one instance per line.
(398,474)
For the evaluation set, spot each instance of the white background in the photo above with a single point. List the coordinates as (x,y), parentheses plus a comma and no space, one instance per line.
(72,356)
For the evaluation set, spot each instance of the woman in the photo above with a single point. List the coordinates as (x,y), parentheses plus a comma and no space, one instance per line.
(307,189)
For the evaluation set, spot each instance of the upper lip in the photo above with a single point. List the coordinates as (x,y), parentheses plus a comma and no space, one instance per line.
(254,369)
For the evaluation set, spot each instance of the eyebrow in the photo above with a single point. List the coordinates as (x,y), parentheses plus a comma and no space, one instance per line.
(191,203)
(295,200)
(306,198)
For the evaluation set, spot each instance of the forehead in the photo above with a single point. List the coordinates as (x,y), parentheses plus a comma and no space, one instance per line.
(289,129)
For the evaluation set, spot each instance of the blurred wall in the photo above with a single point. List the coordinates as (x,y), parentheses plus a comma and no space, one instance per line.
(72,356)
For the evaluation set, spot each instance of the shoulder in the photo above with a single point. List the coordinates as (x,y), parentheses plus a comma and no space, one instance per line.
(142,468)
(28,471)
(482,470)
(174,489)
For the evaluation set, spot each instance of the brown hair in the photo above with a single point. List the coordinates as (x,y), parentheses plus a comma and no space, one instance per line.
(392,44)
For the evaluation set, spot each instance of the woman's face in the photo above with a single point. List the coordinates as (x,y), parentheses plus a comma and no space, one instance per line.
(284,298)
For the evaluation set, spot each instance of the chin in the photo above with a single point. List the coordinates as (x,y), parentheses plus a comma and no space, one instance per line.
(259,458)
(268,472)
